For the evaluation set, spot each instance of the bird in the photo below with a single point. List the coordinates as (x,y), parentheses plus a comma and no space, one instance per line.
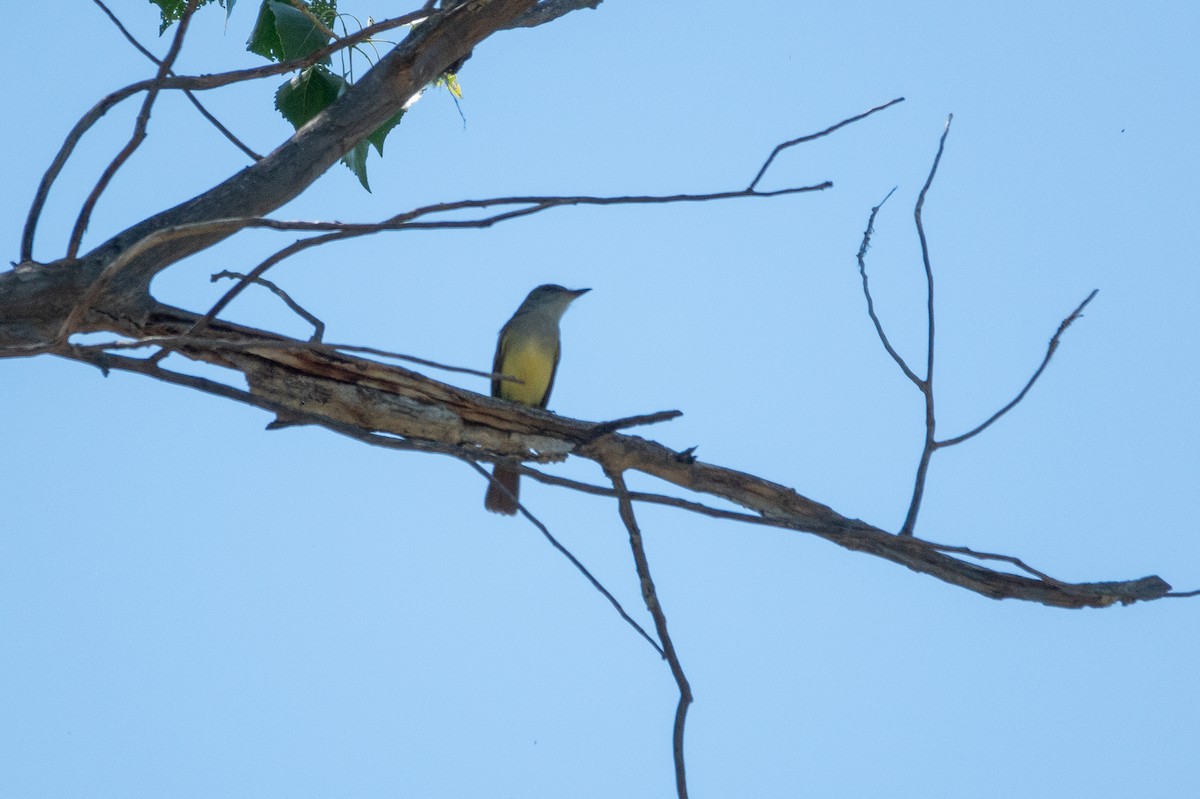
(528,350)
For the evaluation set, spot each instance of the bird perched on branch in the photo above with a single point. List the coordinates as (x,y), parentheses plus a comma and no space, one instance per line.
(528,351)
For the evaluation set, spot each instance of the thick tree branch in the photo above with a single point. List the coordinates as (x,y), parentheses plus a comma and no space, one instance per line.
(342,391)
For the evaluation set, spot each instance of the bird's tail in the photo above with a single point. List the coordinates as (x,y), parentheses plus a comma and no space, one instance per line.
(503,500)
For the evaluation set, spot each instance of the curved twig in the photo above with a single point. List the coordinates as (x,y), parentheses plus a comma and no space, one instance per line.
(297,308)
(862,270)
(781,147)
(1021,395)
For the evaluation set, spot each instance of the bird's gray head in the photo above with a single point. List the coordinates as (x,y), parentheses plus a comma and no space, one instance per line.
(550,298)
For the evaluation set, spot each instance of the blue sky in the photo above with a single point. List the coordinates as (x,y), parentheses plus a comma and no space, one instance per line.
(192,606)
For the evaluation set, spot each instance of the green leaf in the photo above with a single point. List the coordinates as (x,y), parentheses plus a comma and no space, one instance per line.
(283,32)
(356,159)
(308,94)
(382,131)
(264,39)
(297,33)
(172,10)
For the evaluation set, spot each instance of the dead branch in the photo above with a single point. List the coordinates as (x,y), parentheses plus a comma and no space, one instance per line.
(344,393)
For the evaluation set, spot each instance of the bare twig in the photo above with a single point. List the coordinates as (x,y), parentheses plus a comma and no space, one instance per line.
(138,136)
(635,421)
(216,123)
(1021,395)
(625,506)
(926,385)
(781,147)
(318,325)
(862,270)
(554,542)
(1020,564)
(409,220)
(218,344)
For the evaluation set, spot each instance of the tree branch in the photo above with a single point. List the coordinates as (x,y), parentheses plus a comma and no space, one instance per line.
(342,392)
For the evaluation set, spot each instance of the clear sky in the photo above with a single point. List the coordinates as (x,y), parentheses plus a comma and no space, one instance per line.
(191,606)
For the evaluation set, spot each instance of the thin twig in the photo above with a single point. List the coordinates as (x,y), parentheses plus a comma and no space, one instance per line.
(625,506)
(574,560)
(138,136)
(781,147)
(1020,396)
(862,270)
(605,428)
(926,385)
(318,325)
(409,221)
(193,342)
(1020,564)
(216,123)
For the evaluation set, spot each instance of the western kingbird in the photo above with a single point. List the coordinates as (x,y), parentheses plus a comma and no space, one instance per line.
(528,350)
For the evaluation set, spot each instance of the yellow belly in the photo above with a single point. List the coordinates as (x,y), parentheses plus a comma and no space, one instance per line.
(533,365)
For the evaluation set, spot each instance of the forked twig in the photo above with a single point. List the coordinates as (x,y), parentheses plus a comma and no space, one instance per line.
(925,384)
(318,325)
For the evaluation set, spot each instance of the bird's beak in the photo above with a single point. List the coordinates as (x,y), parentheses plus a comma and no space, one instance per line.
(579,293)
